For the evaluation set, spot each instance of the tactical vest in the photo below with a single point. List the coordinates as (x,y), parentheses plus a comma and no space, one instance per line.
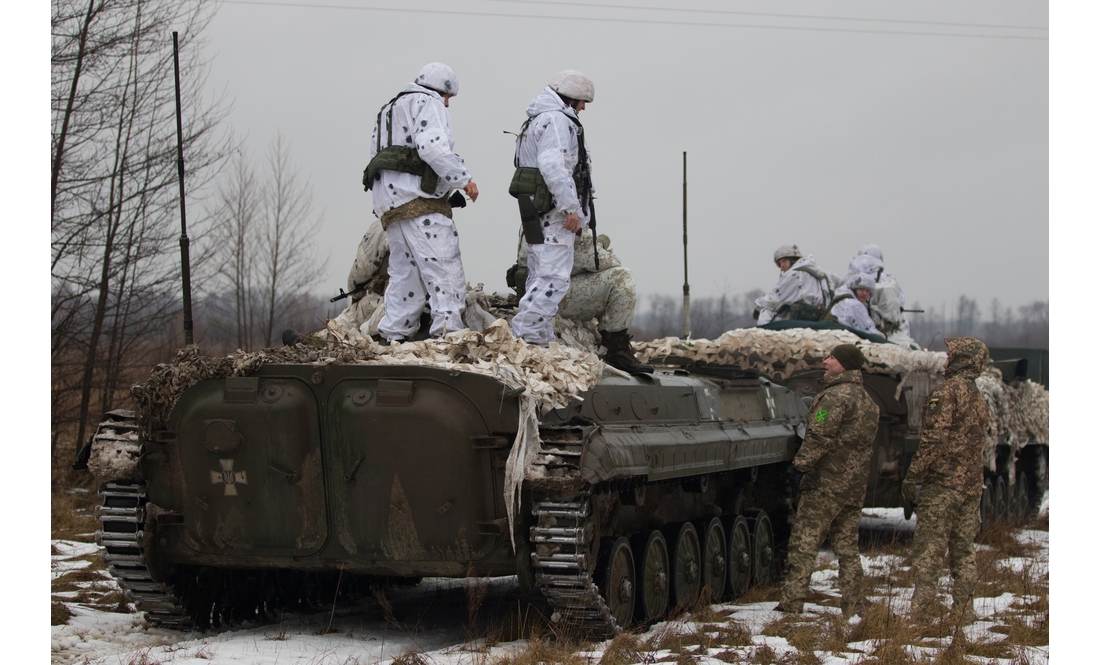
(528,179)
(398,157)
(807,312)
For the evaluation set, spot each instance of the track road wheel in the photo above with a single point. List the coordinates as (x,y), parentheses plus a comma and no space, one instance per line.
(1000,499)
(651,563)
(686,557)
(616,579)
(740,557)
(714,559)
(1022,496)
(763,550)
(987,504)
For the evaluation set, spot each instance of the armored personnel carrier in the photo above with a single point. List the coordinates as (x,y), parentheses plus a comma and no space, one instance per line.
(249,483)
(898,380)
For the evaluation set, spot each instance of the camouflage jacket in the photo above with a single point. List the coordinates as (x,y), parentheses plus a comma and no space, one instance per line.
(840,431)
(954,422)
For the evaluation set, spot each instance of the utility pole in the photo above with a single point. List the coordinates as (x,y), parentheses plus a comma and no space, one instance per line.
(687,289)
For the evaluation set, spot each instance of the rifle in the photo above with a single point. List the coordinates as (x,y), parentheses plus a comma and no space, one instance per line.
(589,202)
(359,288)
(915,311)
(592,223)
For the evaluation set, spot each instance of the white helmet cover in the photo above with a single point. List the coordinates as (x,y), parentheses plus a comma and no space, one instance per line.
(871,250)
(439,77)
(574,85)
(787,252)
(860,280)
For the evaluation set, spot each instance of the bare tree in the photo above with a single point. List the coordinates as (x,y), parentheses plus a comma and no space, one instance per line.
(289,263)
(268,262)
(236,217)
(114,189)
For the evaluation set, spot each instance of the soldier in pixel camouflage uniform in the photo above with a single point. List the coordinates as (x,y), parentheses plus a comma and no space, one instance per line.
(945,480)
(836,459)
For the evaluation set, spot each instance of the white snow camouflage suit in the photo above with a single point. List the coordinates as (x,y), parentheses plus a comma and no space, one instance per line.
(888,299)
(793,286)
(550,144)
(852,313)
(425,261)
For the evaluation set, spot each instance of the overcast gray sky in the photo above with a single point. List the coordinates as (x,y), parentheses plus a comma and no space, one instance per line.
(826,133)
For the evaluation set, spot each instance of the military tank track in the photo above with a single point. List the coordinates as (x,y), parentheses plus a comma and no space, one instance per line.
(564,558)
(122,535)
(563,541)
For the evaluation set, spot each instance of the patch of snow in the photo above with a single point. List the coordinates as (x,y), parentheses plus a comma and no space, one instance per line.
(72,548)
(988,607)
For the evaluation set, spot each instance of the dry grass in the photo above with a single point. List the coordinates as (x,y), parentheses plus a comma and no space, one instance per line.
(411,658)
(59,614)
(71,514)
(812,632)
(1019,631)
(1021,580)
(540,650)
(623,650)
(760,595)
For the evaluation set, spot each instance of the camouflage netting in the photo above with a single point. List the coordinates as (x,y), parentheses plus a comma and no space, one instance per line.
(1019,412)
(120,459)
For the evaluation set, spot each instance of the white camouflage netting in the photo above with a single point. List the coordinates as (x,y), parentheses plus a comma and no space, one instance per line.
(118,460)
(1019,413)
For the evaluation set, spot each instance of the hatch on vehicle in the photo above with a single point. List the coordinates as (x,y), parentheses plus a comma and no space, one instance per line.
(248,467)
(412,471)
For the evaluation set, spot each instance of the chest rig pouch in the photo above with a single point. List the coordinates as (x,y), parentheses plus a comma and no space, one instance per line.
(529,187)
(398,157)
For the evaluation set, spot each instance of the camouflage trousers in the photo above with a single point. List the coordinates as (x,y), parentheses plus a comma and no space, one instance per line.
(947,520)
(820,515)
(608,296)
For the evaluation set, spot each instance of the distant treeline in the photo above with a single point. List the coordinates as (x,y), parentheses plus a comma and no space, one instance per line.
(1026,326)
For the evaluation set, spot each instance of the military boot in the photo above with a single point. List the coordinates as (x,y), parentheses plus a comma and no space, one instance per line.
(620,355)
(291,337)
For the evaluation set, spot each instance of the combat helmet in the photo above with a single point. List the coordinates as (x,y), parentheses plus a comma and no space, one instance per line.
(439,77)
(787,252)
(574,85)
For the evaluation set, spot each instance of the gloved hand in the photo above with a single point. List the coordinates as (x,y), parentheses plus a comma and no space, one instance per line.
(794,478)
(909,489)
(457,200)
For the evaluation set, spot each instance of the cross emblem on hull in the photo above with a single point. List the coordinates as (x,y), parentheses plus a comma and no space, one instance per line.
(228,477)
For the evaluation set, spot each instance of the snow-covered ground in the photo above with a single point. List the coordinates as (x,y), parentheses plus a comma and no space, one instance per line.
(430,619)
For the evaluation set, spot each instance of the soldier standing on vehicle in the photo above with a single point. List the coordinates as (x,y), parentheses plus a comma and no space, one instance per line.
(835,457)
(554,190)
(414,176)
(945,481)
(804,291)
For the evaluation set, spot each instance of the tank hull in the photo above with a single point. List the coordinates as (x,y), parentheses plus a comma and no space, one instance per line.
(399,472)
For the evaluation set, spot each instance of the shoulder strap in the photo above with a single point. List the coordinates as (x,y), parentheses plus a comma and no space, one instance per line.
(843,296)
(389,119)
(822,282)
(519,137)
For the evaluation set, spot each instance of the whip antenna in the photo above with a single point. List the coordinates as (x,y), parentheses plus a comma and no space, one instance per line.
(185,244)
(687,289)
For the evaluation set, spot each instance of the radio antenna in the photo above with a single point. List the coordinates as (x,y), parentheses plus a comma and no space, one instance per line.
(687,289)
(185,244)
